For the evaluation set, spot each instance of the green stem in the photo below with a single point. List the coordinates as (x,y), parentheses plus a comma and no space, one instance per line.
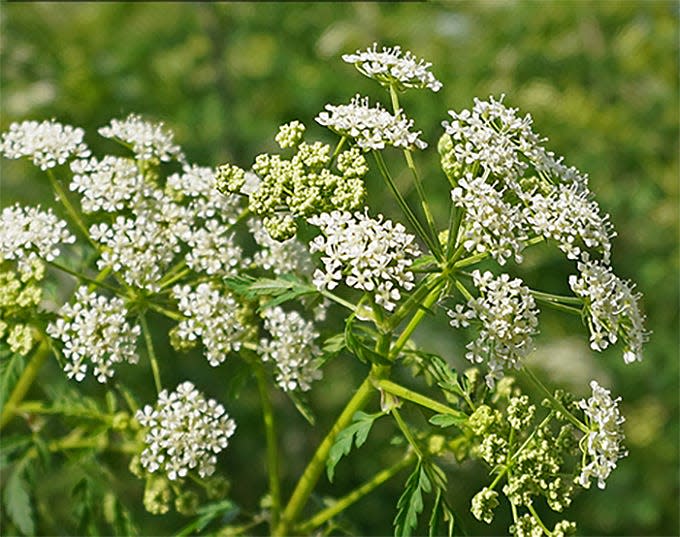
(93,281)
(272,450)
(415,320)
(463,290)
(406,431)
(37,407)
(70,209)
(431,244)
(414,300)
(415,397)
(337,299)
(557,405)
(354,496)
(152,354)
(549,297)
(313,471)
(538,519)
(173,278)
(25,381)
(175,316)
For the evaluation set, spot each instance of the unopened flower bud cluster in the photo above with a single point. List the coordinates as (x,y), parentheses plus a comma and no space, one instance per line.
(301,186)
(373,255)
(94,332)
(20,296)
(184,431)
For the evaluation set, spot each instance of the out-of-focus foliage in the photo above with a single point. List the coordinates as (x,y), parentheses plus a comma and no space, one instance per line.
(599,78)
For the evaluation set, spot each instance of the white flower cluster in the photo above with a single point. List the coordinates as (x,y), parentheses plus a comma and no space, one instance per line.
(141,247)
(370,254)
(604,442)
(371,127)
(389,67)
(569,216)
(147,140)
(612,308)
(184,431)
(497,139)
(213,316)
(491,224)
(109,185)
(95,329)
(282,257)
(48,143)
(508,317)
(292,349)
(28,233)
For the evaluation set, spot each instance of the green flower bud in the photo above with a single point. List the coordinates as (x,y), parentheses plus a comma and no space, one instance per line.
(290,134)
(157,495)
(187,503)
(230,178)
(483,505)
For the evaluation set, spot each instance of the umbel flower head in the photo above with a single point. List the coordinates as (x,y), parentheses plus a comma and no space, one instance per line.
(184,431)
(612,308)
(292,349)
(389,67)
(369,254)
(603,444)
(48,143)
(507,317)
(148,140)
(29,233)
(94,330)
(370,127)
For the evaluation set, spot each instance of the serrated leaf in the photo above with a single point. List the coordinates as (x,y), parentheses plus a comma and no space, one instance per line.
(226,509)
(354,434)
(282,289)
(18,502)
(410,503)
(10,369)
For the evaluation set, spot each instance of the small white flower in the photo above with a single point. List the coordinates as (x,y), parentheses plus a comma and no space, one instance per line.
(28,233)
(148,140)
(292,348)
(48,143)
(282,257)
(370,127)
(184,431)
(603,445)
(612,307)
(508,320)
(94,330)
(373,255)
(390,67)
(213,316)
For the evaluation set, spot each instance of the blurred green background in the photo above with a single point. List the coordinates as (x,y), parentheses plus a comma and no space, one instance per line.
(599,78)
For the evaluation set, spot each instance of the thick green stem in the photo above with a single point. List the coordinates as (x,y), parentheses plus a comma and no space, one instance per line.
(25,381)
(272,449)
(415,397)
(406,431)
(354,496)
(315,467)
(415,320)
(152,354)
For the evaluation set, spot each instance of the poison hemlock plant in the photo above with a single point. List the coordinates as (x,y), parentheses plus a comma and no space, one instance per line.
(218,253)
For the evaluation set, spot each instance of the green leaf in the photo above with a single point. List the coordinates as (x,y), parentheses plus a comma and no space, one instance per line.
(441,513)
(282,289)
(18,503)
(447,420)
(226,509)
(360,342)
(410,504)
(355,433)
